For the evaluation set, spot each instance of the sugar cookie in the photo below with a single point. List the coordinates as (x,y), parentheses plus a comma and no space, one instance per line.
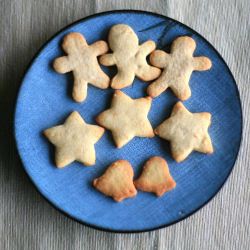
(155,177)
(117,181)
(129,57)
(127,118)
(177,68)
(81,59)
(74,141)
(186,132)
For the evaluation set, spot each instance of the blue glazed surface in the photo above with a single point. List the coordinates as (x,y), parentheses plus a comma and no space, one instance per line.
(45,100)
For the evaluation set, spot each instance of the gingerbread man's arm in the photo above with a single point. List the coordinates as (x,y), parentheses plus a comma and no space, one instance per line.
(145,71)
(122,79)
(201,63)
(62,65)
(159,58)
(107,60)
(183,92)
(147,47)
(99,47)
(158,86)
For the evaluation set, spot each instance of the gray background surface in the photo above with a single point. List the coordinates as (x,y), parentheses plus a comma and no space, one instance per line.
(27,221)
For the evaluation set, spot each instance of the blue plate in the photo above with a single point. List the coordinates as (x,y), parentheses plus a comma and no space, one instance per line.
(45,100)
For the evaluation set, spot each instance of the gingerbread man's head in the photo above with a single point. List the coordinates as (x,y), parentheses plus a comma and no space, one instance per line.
(184,43)
(122,37)
(72,41)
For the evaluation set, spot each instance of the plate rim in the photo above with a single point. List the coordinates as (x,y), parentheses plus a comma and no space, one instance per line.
(38,190)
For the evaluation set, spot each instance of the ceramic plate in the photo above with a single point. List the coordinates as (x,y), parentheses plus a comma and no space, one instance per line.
(44,100)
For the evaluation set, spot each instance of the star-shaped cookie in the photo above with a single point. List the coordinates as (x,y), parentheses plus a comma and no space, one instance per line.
(186,132)
(82,60)
(117,181)
(127,118)
(74,141)
(155,177)
(177,68)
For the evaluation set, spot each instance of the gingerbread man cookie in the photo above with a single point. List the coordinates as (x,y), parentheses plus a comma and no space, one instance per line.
(155,177)
(117,181)
(82,60)
(129,57)
(177,68)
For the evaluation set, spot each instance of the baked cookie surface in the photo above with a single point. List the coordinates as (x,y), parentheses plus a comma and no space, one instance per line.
(127,118)
(186,132)
(74,141)
(82,60)
(177,68)
(129,57)
(45,101)
(155,177)
(117,181)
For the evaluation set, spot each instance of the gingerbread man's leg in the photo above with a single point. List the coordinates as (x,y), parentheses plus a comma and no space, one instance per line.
(123,78)
(80,87)
(158,86)
(100,79)
(181,90)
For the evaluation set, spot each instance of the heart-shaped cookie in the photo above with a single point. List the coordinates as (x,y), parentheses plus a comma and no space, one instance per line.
(117,181)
